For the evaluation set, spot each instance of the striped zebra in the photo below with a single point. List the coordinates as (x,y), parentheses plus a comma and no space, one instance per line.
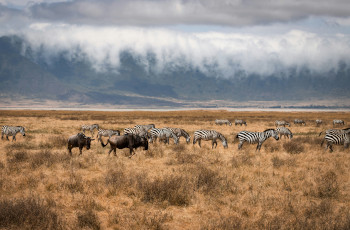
(240,122)
(337,137)
(283,131)
(318,122)
(107,133)
(221,122)
(90,127)
(338,122)
(12,131)
(330,131)
(180,133)
(256,137)
(145,127)
(208,135)
(163,135)
(137,131)
(299,122)
(282,123)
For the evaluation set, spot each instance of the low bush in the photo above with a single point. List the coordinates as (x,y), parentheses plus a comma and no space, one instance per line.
(28,213)
(176,190)
(88,219)
(293,147)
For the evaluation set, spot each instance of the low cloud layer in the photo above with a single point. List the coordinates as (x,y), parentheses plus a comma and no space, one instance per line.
(221,53)
(174,12)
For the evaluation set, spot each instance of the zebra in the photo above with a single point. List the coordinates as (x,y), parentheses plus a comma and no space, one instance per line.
(90,127)
(337,137)
(240,122)
(145,127)
(318,122)
(180,133)
(107,133)
(300,122)
(282,123)
(137,131)
(340,131)
(207,135)
(12,131)
(256,137)
(163,134)
(283,131)
(221,122)
(338,122)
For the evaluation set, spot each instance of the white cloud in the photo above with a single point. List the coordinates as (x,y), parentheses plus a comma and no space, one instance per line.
(227,52)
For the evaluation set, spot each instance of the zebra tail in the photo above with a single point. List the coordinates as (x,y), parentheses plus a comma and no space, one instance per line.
(322,142)
(104,145)
(320,133)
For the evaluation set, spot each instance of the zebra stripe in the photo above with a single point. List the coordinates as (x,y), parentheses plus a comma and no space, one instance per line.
(221,122)
(90,127)
(180,133)
(139,132)
(338,122)
(318,122)
(145,127)
(282,123)
(340,131)
(12,131)
(256,137)
(283,131)
(240,122)
(299,122)
(207,135)
(107,133)
(336,138)
(163,134)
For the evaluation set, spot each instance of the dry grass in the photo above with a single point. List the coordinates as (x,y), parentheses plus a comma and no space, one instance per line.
(289,184)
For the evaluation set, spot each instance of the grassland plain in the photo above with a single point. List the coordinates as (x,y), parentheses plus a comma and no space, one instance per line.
(289,184)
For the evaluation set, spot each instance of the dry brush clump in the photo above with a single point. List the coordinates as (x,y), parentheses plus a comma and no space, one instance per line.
(173,189)
(29,213)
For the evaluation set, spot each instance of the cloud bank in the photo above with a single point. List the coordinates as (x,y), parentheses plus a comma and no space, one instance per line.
(167,12)
(224,54)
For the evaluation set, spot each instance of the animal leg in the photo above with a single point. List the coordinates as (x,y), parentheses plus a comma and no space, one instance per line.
(240,144)
(14,138)
(109,152)
(258,147)
(7,137)
(199,143)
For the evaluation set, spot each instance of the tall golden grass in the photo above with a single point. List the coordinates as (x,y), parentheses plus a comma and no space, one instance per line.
(289,184)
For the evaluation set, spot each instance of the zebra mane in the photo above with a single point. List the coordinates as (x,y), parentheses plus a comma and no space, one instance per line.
(268,130)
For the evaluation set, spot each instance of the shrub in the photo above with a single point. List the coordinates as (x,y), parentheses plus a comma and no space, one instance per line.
(223,222)
(115,178)
(277,162)
(88,219)
(17,157)
(207,180)
(28,213)
(54,141)
(186,158)
(176,190)
(293,147)
(47,158)
(327,186)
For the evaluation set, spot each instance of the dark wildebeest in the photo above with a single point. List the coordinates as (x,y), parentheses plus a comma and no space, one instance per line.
(79,140)
(130,141)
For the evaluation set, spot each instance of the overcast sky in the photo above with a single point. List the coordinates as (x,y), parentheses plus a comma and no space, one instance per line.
(263,37)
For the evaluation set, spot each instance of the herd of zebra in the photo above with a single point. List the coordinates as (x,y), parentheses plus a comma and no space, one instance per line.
(151,133)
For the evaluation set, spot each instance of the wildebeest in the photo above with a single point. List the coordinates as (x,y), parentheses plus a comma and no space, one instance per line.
(79,140)
(130,141)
